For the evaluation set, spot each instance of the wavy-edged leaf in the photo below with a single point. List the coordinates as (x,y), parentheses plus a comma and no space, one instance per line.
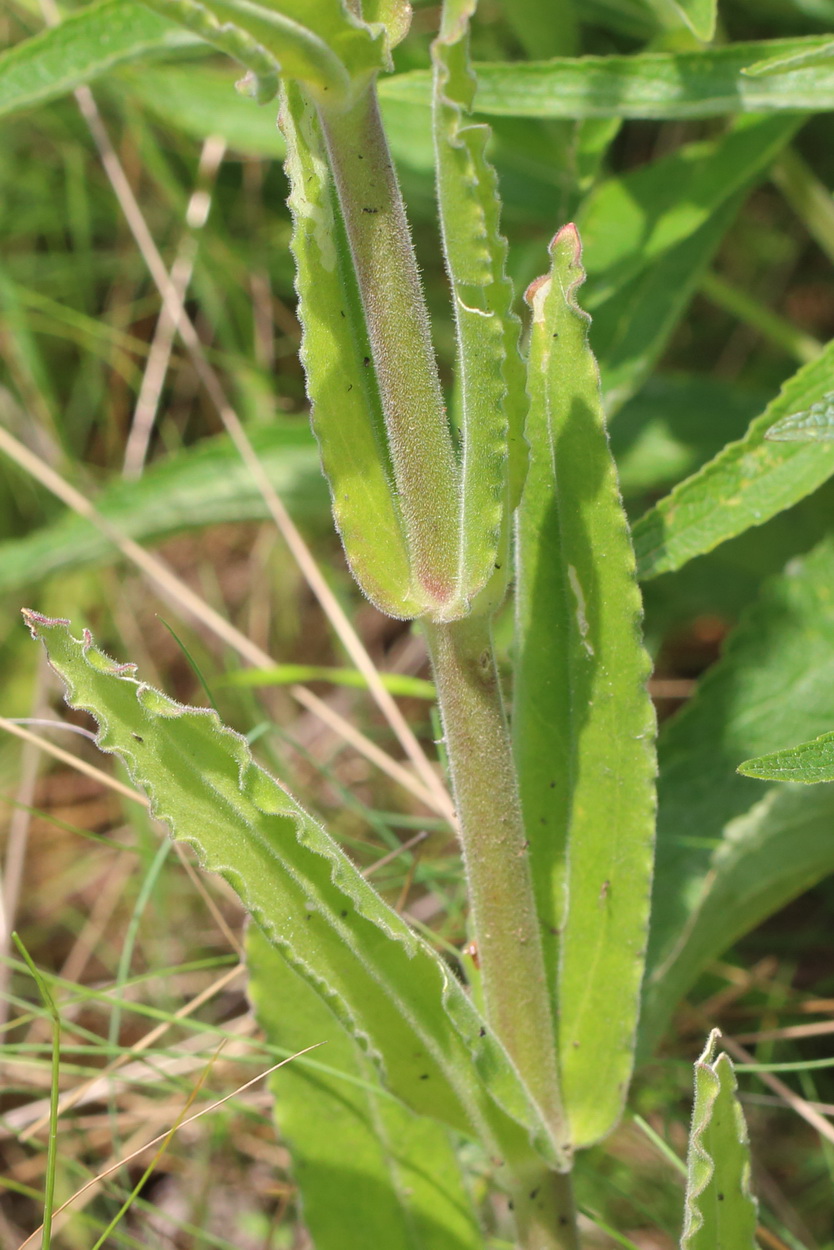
(808,762)
(354,1148)
(346,409)
(815,424)
(720,1211)
(583,723)
(748,482)
(205,485)
(84,46)
(651,85)
(384,983)
(728,853)
(492,404)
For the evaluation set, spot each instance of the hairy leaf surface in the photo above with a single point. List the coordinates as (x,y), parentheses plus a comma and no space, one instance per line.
(385,984)
(353,1146)
(583,723)
(489,367)
(720,1211)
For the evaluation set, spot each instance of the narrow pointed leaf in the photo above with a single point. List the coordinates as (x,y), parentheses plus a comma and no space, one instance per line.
(747,483)
(814,425)
(583,723)
(84,46)
(720,1212)
(809,762)
(354,1148)
(699,15)
(729,853)
(385,984)
(346,410)
(489,367)
(652,85)
(790,61)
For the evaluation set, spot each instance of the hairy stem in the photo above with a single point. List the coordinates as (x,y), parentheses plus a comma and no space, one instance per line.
(504,919)
(419,438)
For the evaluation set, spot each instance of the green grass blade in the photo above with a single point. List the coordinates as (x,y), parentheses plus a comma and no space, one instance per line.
(787,63)
(720,1212)
(653,85)
(729,853)
(386,985)
(809,762)
(86,45)
(583,723)
(699,15)
(354,1148)
(489,367)
(346,408)
(204,485)
(747,483)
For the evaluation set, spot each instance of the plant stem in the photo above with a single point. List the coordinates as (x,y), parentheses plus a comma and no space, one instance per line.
(503,912)
(419,438)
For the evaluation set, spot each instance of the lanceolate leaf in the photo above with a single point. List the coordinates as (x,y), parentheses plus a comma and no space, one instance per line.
(346,409)
(489,367)
(583,723)
(86,45)
(810,762)
(720,1211)
(652,85)
(787,63)
(354,1148)
(386,985)
(729,853)
(746,484)
(699,16)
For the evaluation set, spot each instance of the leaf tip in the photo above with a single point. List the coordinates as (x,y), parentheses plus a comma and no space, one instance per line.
(35,620)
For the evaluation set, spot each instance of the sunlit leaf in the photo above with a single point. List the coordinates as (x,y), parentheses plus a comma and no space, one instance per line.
(583,723)
(809,762)
(815,424)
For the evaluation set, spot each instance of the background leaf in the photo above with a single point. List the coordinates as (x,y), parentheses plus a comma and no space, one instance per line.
(809,762)
(370,1172)
(748,482)
(583,724)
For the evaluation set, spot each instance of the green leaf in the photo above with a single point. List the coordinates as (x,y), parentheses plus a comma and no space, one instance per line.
(814,425)
(748,482)
(628,223)
(583,723)
(489,367)
(720,1212)
(699,15)
(652,85)
(809,762)
(205,485)
(385,984)
(787,63)
(729,854)
(354,1148)
(86,45)
(346,407)
(286,674)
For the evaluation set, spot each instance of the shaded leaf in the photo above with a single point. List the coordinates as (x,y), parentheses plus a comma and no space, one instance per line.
(748,482)
(583,723)
(809,762)
(720,1211)
(385,984)
(354,1148)
(699,16)
(787,62)
(729,854)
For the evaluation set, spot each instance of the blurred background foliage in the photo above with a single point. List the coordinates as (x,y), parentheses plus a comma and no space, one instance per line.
(709,243)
